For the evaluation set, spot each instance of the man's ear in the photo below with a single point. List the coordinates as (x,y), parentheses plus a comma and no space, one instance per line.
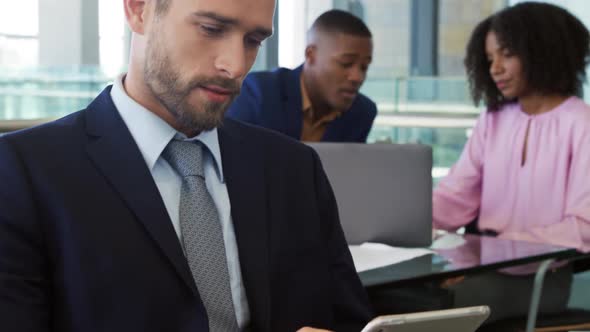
(135,12)
(310,54)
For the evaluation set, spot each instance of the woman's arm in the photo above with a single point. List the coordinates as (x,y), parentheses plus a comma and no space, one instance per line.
(457,198)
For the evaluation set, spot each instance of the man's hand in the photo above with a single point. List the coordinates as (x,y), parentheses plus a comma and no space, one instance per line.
(311,329)
(449,282)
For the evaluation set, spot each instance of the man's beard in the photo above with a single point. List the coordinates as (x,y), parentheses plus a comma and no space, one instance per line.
(166,85)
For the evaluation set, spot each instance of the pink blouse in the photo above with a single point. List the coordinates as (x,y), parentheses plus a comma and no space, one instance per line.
(546,199)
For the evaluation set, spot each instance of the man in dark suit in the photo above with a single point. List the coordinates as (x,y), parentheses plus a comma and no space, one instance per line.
(320,100)
(102,228)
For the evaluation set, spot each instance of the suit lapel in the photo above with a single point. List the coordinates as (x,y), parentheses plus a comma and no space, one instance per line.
(243,169)
(334,129)
(340,128)
(115,154)
(291,102)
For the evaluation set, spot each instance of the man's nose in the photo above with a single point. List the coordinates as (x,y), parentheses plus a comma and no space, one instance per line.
(357,75)
(231,60)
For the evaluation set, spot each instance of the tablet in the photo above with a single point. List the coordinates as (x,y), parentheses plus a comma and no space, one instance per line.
(456,320)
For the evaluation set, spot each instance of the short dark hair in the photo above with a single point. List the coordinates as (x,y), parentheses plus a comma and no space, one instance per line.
(341,21)
(162,6)
(552,45)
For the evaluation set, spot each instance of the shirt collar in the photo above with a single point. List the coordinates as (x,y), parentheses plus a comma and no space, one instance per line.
(307,108)
(152,134)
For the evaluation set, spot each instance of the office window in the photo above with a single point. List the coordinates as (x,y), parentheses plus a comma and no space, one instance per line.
(457,19)
(112,30)
(19,29)
(389,21)
(294,16)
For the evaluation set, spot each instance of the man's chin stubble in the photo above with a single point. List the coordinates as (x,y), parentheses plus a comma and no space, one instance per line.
(197,122)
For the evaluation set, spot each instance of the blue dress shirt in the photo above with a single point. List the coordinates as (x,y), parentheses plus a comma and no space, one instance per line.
(152,134)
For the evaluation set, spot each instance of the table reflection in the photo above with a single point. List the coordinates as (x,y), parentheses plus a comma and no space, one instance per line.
(476,254)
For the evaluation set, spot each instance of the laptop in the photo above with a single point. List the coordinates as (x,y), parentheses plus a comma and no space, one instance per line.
(455,320)
(383,191)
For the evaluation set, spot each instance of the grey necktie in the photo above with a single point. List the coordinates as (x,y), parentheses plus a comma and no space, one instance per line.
(202,235)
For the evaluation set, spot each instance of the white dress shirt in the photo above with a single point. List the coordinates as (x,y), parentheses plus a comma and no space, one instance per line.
(152,135)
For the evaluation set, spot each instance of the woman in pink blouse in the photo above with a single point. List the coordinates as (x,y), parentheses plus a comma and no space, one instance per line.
(525,171)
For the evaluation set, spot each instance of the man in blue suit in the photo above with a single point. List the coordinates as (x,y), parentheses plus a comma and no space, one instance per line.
(96,208)
(320,100)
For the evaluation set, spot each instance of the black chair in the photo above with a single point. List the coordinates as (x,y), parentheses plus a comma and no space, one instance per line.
(570,319)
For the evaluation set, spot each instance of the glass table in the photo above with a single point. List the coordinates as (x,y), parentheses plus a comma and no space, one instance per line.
(477,254)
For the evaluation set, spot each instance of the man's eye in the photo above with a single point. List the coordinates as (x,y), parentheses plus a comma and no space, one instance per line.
(211,29)
(253,42)
(346,64)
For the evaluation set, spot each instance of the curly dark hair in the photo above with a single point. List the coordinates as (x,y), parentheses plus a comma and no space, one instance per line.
(552,45)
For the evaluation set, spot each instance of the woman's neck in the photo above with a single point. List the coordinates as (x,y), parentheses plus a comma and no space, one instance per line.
(536,104)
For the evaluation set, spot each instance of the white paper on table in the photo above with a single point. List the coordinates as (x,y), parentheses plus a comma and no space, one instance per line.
(368,256)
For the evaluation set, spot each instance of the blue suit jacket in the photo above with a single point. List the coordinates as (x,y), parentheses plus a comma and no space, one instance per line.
(86,243)
(273,100)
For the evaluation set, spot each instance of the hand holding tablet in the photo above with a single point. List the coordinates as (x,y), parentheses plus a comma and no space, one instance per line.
(456,320)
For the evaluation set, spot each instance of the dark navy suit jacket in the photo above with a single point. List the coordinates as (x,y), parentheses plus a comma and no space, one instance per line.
(273,100)
(86,243)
